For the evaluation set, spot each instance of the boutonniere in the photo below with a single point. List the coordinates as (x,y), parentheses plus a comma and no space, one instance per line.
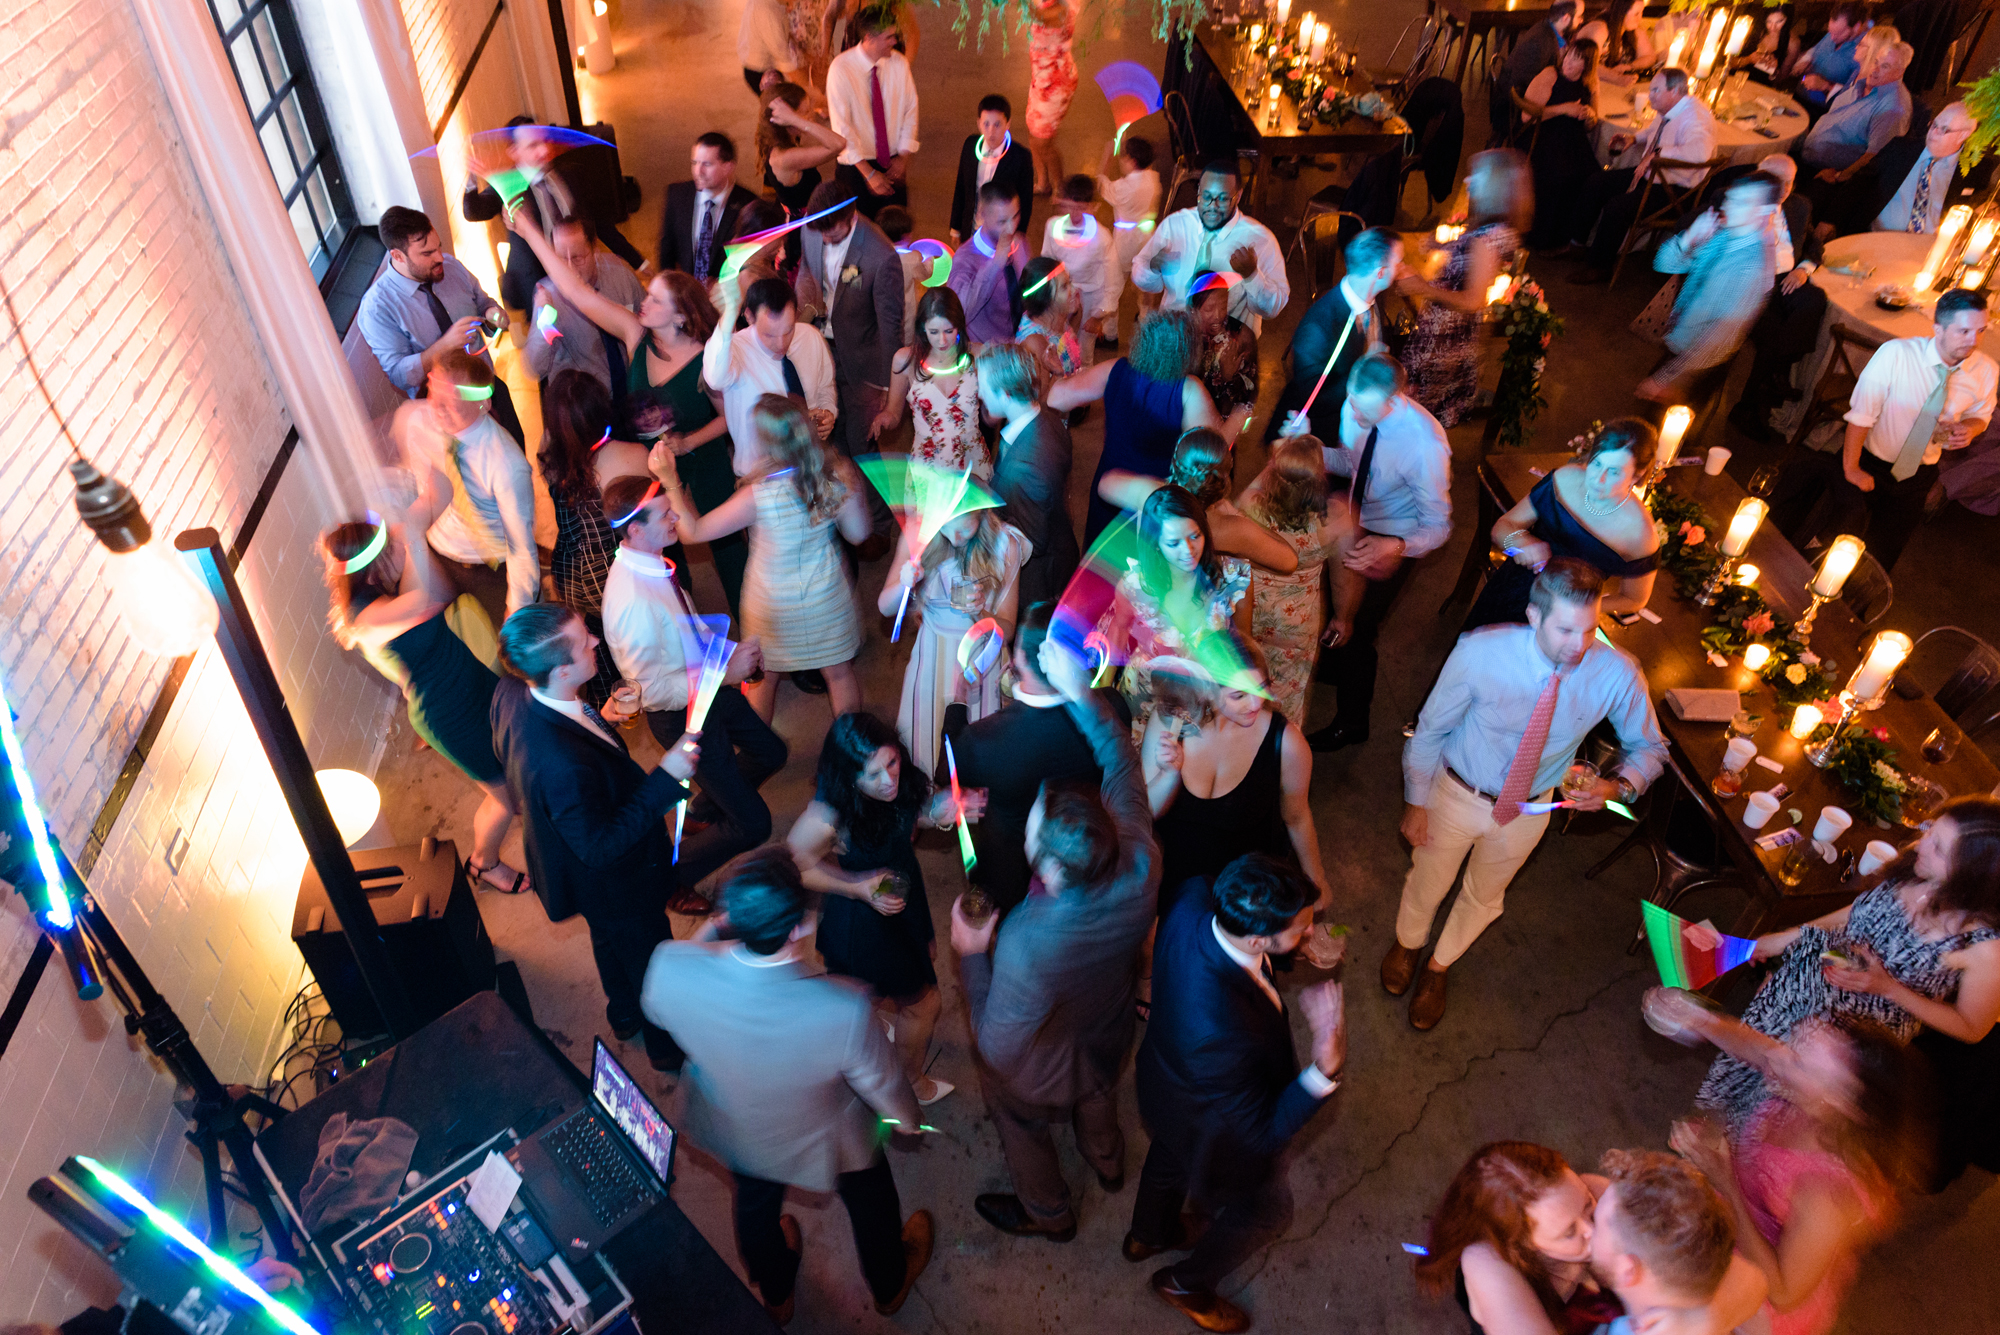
(851,274)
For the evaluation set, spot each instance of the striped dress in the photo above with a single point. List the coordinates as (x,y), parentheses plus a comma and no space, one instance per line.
(796,598)
(949,604)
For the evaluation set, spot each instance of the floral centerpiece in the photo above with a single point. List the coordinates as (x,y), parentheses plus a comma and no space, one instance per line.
(1860,764)
(1529,327)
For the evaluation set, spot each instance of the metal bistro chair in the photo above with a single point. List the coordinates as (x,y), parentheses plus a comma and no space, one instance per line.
(1397,85)
(1677,202)
(1830,394)
(1961,673)
(1321,218)
(1869,592)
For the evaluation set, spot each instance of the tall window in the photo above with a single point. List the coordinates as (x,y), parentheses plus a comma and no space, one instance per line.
(262,39)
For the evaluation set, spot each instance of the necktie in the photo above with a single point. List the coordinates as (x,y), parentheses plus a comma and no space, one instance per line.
(1528,757)
(462,506)
(1361,470)
(597,721)
(1919,440)
(793,385)
(438,312)
(1015,306)
(704,244)
(880,112)
(1920,204)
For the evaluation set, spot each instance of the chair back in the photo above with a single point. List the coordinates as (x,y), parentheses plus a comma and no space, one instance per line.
(1501,118)
(1396,82)
(1830,394)
(1182,142)
(1868,593)
(1664,203)
(1956,668)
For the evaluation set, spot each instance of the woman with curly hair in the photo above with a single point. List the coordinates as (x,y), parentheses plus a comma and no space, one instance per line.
(940,381)
(853,845)
(387,598)
(577,463)
(1204,465)
(1291,499)
(800,502)
(1151,396)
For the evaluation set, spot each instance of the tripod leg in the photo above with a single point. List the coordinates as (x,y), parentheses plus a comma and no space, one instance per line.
(218,1200)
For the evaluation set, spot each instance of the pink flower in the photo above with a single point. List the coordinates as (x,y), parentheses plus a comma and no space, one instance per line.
(1697,535)
(1757,625)
(1881,734)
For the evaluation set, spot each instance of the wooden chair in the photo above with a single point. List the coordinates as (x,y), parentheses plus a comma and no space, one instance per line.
(1675,203)
(1529,119)
(1830,393)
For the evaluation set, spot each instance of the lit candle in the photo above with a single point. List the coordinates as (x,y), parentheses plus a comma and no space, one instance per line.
(1497,293)
(1710,44)
(1886,653)
(1305,31)
(1922,282)
(1954,221)
(1805,720)
(1256,33)
(1974,280)
(1676,47)
(1277,91)
(1284,13)
(1755,656)
(1746,575)
(1839,563)
(1981,239)
(1448,233)
(1739,33)
(1743,526)
(1320,31)
(1679,418)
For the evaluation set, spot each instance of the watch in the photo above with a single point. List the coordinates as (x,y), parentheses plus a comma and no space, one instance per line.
(1626,790)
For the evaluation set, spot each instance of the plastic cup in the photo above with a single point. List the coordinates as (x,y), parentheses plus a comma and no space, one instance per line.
(1739,753)
(1833,823)
(1877,855)
(1762,807)
(1718,458)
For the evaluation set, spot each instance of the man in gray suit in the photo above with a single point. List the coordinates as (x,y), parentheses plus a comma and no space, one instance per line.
(786,1077)
(860,279)
(1052,1006)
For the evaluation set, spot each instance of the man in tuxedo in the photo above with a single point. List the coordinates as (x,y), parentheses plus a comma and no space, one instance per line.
(701,213)
(1030,741)
(1789,326)
(1220,1089)
(1032,477)
(1051,1007)
(554,194)
(593,823)
(990,154)
(1344,325)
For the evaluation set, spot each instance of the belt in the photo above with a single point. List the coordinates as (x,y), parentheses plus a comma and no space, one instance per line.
(1490,797)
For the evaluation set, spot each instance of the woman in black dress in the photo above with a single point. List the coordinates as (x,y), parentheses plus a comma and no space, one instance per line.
(1564,157)
(792,146)
(389,600)
(853,845)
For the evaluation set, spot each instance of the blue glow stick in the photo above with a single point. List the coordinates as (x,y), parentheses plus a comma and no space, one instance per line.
(56,913)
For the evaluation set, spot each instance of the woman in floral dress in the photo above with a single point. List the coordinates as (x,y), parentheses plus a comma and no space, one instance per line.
(1228,352)
(942,389)
(1442,357)
(1048,300)
(1051,84)
(1287,612)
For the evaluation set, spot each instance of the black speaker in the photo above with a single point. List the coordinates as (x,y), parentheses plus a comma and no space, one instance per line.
(430,923)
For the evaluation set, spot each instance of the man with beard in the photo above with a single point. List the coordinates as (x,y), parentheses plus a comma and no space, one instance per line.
(1215,236)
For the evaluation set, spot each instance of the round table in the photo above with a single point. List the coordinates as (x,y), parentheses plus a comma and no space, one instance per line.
(1738,137)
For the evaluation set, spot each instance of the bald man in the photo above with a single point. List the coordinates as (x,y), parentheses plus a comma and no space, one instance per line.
(1789,326)
(1917,176)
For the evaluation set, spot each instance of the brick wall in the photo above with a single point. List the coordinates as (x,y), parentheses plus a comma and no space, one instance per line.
(114,266)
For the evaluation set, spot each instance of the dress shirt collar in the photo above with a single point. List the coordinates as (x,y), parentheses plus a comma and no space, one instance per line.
(1035,700)
(752,341)
(1354,301)
(1012,431)
(401,283)
(1251,964)
(742,954)
(573,711)
(654,564)
(703,198)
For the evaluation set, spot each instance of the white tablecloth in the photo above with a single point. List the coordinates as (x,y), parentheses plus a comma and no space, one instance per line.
(1737,137)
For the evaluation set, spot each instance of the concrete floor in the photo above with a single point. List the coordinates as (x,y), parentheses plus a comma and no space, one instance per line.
(1542,1040)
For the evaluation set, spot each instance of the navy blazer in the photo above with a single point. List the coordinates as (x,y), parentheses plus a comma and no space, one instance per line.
(593,823)
(1218,1079)
(1032,482)
(1017,168)
(677,238)
(1313,342)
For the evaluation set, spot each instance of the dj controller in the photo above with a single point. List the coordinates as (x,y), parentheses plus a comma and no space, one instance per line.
(436,1270)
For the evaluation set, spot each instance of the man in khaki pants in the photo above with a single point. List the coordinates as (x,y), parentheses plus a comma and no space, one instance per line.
(1500,729)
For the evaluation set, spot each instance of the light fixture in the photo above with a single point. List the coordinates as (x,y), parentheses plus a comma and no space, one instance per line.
(163,606)
(353,799)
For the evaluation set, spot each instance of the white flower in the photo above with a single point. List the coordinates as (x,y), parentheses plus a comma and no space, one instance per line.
(851,274)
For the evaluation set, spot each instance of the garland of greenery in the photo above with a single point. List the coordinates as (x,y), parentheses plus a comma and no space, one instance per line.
(1168,18)
(1860,764)
(1530,327)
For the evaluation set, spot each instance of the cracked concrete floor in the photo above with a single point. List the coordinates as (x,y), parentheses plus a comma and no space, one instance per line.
(1542,1040)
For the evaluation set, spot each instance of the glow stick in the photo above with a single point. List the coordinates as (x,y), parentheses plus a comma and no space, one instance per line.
(602,439)
(1680,962)
(714,666)
(1345,331)
(1068,235)
(361,559)
(1132,91)
(56,913)
(965,849)
(1416,1250)
(545,320)
(475,393)
(737,253)
(220,1265)
(940,257)
(704,679)
(927,498)
(1044,280)
(1209,282)
(623,520)
(680,819)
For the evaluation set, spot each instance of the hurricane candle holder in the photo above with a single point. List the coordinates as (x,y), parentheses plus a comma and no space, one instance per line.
(1820,753)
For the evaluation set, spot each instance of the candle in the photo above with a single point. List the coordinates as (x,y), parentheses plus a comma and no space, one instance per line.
(1755,656)
(1805,720)
(1256,33)
(1679,418)
(1497,293)
(1284,13)
(1739,33)
(1305,31)
(1954,221)
(1977,244)
(1974,280)
(1885,654)
(1746,575)
(1743,526)
(1838,564)
(1709,44)
(1448,233)
(1923,281)
(1320,31)
(1676,47)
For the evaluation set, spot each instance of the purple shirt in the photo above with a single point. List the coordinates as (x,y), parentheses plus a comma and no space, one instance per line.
(979,277)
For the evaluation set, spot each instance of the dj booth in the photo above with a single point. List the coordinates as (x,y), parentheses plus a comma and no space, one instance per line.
(478,1081)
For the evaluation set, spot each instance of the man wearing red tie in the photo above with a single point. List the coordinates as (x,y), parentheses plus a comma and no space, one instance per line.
(872,101)
(1496,737)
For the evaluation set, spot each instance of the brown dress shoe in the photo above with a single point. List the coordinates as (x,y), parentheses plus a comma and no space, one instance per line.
(1427,1006)
(1210,1311)
(1398,967)
(918,1234)
(782,1312)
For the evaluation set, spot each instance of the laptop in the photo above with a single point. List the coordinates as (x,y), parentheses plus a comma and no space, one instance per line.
(592,1173)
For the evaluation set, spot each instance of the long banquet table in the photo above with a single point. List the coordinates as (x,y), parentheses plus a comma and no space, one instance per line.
(1672,655)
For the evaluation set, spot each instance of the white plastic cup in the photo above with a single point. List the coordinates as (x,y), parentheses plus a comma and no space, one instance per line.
(1877,855)
(1833,823)
(1738,754)
(1718,459)
(1762,807)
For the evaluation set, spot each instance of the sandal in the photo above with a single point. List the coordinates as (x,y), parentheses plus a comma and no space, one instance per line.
(1144,1005)
(480,882)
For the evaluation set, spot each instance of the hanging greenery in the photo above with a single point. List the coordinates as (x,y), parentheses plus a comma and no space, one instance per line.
(1982,99)
(1165,18)
(1529,327)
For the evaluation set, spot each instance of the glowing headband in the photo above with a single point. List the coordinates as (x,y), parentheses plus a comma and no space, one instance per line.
(361,559)
(1212,281)
(475,393)
(651,492)
(1043,281)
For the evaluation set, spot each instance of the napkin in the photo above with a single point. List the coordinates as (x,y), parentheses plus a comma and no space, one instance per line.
(1704,706)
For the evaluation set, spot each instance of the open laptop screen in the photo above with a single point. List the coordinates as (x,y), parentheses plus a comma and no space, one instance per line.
(633,1112)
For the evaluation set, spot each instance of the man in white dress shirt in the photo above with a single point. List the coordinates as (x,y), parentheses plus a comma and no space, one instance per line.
(773,354)
(872,101)
(1215,236)
(1683,130)
(764,45)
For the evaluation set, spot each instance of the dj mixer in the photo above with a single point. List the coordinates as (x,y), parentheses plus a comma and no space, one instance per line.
(436,1270)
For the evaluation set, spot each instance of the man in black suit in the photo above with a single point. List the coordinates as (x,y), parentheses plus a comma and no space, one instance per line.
(555,193)
(1789,326)
(1032,740)
(1347,319)
(1220,1089)
(701,214)
(990,154)
(1032,477)
(593,823)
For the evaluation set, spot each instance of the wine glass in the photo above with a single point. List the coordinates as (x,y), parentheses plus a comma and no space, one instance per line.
(1763,482)
(1942,743)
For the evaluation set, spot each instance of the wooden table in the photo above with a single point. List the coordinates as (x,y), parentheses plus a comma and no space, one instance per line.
(1672,656)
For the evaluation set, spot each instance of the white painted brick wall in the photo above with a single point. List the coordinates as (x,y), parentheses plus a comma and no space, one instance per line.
(119,279)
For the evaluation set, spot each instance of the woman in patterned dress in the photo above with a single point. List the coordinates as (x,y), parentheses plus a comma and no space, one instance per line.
(942,389)
(971,570)
(578,462)
(1051,84)
(802,500)
(1228,367)
(1290,499)
(1922,948)
(1048,301)
(1442,357)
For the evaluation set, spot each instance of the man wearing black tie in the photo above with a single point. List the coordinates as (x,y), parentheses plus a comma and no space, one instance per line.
(1220,1089)
(1337,331)
(593,823)
(701,214)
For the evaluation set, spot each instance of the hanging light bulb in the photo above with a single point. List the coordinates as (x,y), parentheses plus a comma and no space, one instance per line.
(165,609)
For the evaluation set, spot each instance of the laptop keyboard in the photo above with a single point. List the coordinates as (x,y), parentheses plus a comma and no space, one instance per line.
(588,1148)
